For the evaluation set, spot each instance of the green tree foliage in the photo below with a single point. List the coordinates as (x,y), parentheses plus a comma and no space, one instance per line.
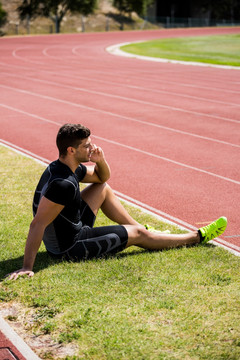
(55,9)
(3,16)
(214,9)
(221,9)
(28,9)
(129,6)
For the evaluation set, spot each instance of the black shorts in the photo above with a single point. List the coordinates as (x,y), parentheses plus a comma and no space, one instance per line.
(95,242)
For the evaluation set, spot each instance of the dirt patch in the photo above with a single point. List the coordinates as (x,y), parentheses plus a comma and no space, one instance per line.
(22,321)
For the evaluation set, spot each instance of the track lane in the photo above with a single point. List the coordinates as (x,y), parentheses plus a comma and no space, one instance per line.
(170,78)
(190,152)
(128,102)
(147,97)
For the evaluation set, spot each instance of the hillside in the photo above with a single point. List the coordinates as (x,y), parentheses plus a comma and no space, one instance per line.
(105,18)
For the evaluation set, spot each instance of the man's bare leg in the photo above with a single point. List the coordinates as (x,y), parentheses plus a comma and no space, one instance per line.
(139,236)
(101,196)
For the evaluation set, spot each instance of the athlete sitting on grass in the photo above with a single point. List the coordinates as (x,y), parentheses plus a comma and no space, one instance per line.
(64,216)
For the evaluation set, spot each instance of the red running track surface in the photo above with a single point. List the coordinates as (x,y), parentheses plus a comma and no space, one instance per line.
(8,351)
(169,131)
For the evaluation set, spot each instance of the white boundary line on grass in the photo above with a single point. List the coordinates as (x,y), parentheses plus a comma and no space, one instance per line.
(160,215)
(17,341)
(115,50)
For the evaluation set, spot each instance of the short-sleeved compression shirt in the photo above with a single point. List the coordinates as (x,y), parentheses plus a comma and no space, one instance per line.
(60,185)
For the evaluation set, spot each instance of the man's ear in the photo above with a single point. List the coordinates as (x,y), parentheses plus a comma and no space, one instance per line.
(70,150)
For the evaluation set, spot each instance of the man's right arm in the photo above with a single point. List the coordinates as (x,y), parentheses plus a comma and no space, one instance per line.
(46,213)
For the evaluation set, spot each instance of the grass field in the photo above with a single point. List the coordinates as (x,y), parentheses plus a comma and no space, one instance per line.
(138,305)
(219,49)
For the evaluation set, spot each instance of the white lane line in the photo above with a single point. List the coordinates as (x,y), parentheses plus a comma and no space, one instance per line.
(83,55)
(163,78)
(175,221)
(124,85)
(30,114)
(232,236)
(45,52)
(17,341)
(157,91)
(115,50)
(162,216)
(100,93)
(14,54)
(126,117)
(113,75)
(24,152)
(170,161)
(138,150)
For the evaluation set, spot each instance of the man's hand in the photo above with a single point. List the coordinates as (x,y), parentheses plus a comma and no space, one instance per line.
(97,154)
(22,272)
(99,173)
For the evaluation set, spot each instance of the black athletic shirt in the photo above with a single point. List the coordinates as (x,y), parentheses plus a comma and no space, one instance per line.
(60,185)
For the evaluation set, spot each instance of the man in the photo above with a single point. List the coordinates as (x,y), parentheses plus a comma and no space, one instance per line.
(64,216)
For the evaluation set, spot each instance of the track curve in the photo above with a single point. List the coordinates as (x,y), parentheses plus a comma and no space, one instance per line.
(169,131)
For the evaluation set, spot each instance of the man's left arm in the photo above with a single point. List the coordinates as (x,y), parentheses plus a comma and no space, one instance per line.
(99,173)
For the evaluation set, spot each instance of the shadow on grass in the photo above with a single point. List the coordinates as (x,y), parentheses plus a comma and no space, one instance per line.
(139,251)
(43,260)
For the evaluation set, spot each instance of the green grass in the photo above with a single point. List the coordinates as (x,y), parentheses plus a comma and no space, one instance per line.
(219,49)
(177,304)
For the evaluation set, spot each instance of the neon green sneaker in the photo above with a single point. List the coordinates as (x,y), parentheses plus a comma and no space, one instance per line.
(213,230)
(152,229)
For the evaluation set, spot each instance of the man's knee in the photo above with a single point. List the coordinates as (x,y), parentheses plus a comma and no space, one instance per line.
(136,233)
(93,189)
(94,195)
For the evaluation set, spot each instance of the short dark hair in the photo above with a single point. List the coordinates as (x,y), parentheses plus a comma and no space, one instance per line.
(71,135)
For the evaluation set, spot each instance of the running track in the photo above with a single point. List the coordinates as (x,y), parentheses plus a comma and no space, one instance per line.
(169,131)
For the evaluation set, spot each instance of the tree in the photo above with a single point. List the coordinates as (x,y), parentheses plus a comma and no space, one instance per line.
(55,9)
(212,9)
(219,9)
(3,16)
(129,6)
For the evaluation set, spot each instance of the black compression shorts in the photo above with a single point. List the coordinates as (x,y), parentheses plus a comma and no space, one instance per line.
(95,242)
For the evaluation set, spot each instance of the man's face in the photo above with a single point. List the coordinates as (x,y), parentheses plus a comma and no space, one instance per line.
(83,151)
